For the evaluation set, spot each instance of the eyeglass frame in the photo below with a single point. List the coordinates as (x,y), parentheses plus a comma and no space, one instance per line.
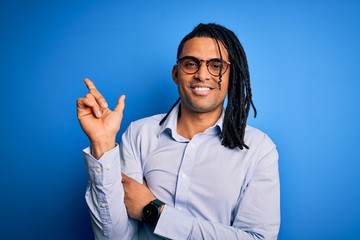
(199,61)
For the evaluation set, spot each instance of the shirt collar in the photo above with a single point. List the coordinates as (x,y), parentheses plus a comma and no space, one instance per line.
(171,122)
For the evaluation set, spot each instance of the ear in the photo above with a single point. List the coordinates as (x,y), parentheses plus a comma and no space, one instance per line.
(175,71)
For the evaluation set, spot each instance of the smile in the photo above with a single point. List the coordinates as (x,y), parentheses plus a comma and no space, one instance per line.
(201,91)
(202,88)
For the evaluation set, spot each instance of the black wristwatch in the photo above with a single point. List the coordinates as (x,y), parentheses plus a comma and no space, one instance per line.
(151,212)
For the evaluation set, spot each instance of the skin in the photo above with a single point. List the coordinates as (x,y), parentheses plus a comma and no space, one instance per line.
(98,122)
(201,107)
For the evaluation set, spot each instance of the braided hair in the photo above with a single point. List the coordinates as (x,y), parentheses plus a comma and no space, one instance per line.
(239,91)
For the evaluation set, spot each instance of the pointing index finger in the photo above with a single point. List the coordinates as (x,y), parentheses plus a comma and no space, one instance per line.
(98,97)
(89,84)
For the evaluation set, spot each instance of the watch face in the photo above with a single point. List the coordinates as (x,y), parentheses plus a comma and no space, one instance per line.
(150,214)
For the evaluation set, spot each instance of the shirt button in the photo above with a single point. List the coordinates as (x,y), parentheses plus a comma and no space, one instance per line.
(183,175)
(98,170)
(108,167)
(192,145)
(179,208)
(102,205)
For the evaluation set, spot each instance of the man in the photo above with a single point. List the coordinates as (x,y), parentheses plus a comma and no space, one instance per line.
(198,172)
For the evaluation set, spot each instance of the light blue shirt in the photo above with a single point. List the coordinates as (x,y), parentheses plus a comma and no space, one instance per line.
(210,191)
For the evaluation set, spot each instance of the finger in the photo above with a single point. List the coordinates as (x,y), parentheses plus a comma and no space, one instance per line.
(124,178)
(97,95)
(85,104)
(120,105)
(89,84)
(82,103)
(91,102)
(82,108)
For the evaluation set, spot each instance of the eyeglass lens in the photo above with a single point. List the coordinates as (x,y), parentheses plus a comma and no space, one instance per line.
(191,65)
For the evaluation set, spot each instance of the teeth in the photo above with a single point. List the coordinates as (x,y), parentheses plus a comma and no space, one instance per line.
(202,88)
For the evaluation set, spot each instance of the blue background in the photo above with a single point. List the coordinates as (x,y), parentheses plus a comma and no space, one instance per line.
(304,64)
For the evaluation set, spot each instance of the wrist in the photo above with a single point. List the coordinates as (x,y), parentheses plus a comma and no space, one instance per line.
(151,212)
(99,148)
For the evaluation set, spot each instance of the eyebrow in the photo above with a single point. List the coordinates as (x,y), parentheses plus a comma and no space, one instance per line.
(187,56)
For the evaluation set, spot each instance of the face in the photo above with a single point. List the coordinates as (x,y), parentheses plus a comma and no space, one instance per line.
(200,92)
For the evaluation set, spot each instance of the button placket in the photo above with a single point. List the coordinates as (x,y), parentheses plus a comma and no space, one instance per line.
(184,179)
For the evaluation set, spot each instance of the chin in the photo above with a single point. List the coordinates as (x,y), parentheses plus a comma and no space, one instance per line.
(205,109)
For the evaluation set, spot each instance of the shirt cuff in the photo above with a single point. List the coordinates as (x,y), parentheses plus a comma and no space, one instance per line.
(174,224)
(106,170)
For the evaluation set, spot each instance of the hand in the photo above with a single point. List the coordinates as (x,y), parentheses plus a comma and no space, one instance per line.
(137,196)
(98,122)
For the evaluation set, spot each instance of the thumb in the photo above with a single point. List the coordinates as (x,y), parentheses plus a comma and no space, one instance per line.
(120,105)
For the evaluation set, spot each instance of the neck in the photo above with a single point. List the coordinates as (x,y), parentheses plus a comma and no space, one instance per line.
(191,123)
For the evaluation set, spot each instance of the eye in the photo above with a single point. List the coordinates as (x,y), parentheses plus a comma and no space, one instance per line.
(215,64)
(189,63)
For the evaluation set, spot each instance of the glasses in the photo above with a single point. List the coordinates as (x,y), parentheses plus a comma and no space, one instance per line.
(191,65)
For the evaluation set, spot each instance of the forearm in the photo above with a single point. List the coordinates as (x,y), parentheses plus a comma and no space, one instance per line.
(99,148)
(105,197)
(256,215)
(176,224)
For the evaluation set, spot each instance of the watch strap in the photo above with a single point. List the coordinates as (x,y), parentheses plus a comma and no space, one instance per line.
(158,203)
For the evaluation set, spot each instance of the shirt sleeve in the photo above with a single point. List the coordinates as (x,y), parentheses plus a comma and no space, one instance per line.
(105,197)
(257,215)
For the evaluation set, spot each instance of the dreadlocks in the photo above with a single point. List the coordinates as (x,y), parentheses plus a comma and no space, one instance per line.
(239,91)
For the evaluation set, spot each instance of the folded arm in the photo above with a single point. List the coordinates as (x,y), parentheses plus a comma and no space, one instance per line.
(257,215)
(105,197)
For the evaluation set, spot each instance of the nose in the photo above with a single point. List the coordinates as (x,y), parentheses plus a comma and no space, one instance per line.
(202,74)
